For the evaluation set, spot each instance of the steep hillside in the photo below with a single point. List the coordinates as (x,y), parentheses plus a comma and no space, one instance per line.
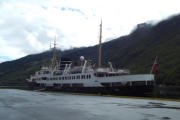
(138,50)
(13,72)
(135,51)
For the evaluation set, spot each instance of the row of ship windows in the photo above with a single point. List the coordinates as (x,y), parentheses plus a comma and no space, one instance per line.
(68,77)
(108,75)
(64,85)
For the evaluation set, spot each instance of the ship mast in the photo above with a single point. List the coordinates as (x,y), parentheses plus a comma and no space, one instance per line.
(54,60)
(99,51)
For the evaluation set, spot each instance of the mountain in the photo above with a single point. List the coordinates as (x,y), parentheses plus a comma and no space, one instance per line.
(135,51)
(15,72)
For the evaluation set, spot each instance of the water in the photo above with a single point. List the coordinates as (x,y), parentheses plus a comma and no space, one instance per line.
(29,105)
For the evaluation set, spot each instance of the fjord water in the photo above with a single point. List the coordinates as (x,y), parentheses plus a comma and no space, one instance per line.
(30,105)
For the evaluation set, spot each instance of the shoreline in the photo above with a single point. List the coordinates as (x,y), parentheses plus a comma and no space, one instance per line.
(117,96)
(100,95)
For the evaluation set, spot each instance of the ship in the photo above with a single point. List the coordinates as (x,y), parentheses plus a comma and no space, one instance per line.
(68,76)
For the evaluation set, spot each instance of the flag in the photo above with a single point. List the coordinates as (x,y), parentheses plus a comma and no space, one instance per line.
(155,63)
(155,66)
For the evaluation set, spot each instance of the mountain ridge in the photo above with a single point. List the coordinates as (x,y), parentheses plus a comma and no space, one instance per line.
(135,51)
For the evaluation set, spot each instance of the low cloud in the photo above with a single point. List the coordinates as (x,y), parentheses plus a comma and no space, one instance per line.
(28,27)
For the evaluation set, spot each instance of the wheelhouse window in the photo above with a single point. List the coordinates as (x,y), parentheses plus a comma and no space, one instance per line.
(83,77)
(100,74)
(44,78)
(46,72)
(88,76)
(78,77)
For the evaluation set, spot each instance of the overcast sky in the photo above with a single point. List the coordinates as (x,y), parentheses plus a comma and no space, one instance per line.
(29,26)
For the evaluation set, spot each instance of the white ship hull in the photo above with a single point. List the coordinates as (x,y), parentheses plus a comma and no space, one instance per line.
(140,84)
(93,81)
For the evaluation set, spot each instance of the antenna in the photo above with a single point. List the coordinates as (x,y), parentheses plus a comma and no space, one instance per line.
(100,37)
(54,60)
(55,41)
